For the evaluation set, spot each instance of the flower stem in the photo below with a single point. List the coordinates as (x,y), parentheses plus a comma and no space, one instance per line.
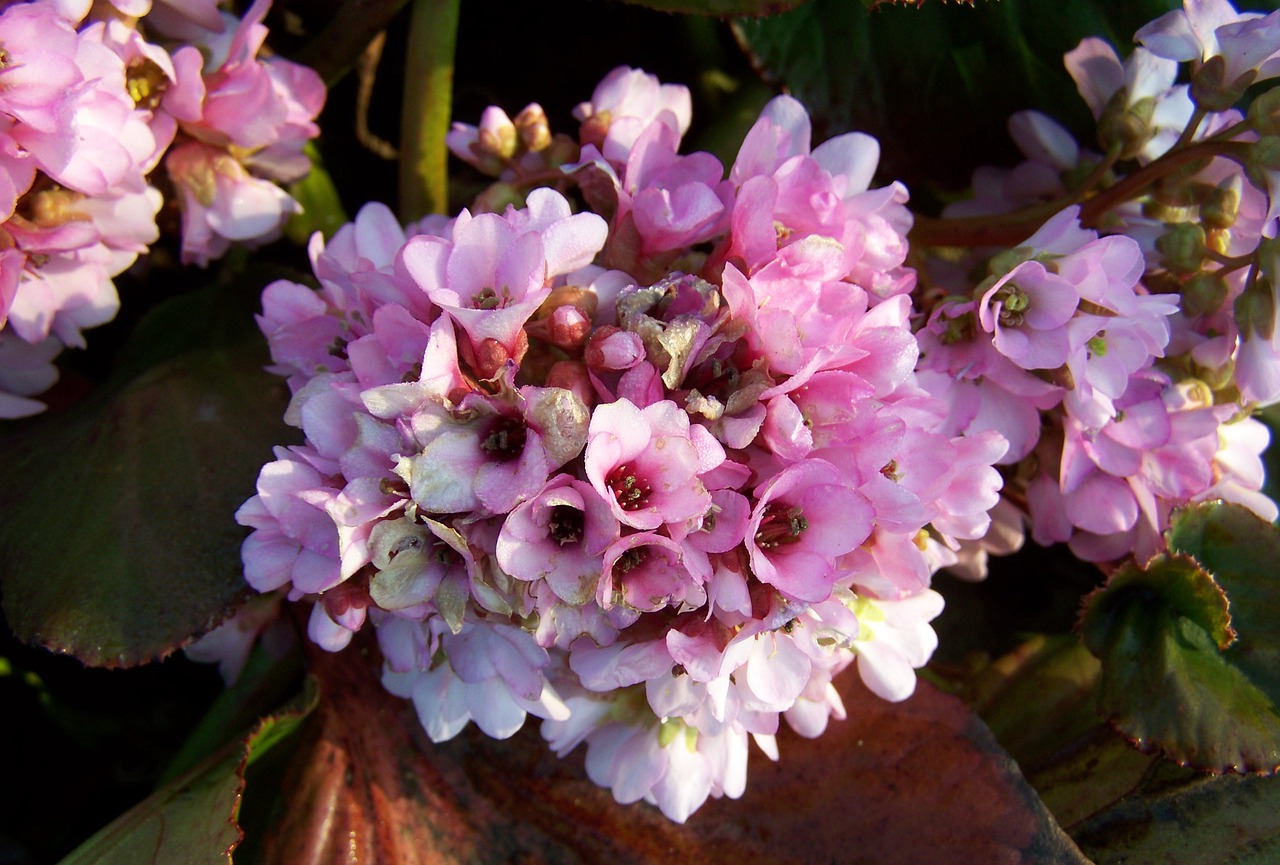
(1197,117)
(428,96)
(1092,211)
(1008,229)
(1005,229)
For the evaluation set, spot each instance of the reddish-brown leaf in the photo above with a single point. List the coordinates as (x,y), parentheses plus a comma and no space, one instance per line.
(920,781)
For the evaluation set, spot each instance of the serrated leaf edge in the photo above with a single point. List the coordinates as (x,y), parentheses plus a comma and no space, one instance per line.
(1229,635)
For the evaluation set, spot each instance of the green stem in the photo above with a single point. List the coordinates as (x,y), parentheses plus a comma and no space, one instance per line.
(427,109)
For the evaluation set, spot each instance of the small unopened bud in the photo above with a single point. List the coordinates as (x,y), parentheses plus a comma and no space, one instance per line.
(51,208)
(1194,393)
(1263,159)
(1256,310)
(497,197)
(572,375)
(497,135)
(569,327)
(1183,247)
(1264,113)
(1203,294)
(1003,262)
(1126,126)
(535,131)
(1222,205)
(583,298)
(562,151)
(595,128)
(612,348)
(1211,91)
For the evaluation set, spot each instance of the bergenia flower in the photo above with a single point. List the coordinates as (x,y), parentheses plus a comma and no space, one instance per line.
(658,478)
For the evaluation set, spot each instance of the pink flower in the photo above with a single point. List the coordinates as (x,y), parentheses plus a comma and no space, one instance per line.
(1026,312)
(1248,42)
(494,676)
(496,270)
(222,202)
(646,572)
(559,535)
(626,103)
(645,464)
(1147,83)
(894,638)
(804,519)
(294,542)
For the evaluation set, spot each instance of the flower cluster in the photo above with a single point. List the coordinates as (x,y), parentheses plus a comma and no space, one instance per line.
(93,106)
(655,471)
(1122,364)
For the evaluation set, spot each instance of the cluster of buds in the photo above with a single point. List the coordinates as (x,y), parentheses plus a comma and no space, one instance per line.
(1124,368)
(655,478)
(101,106)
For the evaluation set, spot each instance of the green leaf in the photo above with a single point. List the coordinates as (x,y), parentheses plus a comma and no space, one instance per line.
(1174,676)
(936,84)
(266,680)
(1040,702)
(1181,817)
(1118,804)
(193,819)
(722,8)
(119,544)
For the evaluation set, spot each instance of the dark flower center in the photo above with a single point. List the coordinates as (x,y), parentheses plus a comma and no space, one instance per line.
(566,525)
(780,524)
(630,560)
(506,438)
(630,491)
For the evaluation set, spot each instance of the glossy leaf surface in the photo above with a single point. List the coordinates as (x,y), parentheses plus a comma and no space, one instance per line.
(913,782)
(118,544)
(936,84)
(193,819)
(1178,674)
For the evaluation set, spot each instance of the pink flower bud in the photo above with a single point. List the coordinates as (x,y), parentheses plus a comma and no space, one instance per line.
(612,348)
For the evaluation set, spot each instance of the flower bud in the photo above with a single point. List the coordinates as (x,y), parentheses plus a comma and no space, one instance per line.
(569,327)
(1211,91)
(51,208)
(1126,126)
(1263,159)
(595,128)
(496,135)
(1255,310)
(497,197)
(1183,247)
(572,375)
(562,151)
(1264,113)
(534,129)
(1222,205)
(612,348)
(1203,294)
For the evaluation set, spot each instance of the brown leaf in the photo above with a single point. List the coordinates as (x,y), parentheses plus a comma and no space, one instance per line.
(920,781)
